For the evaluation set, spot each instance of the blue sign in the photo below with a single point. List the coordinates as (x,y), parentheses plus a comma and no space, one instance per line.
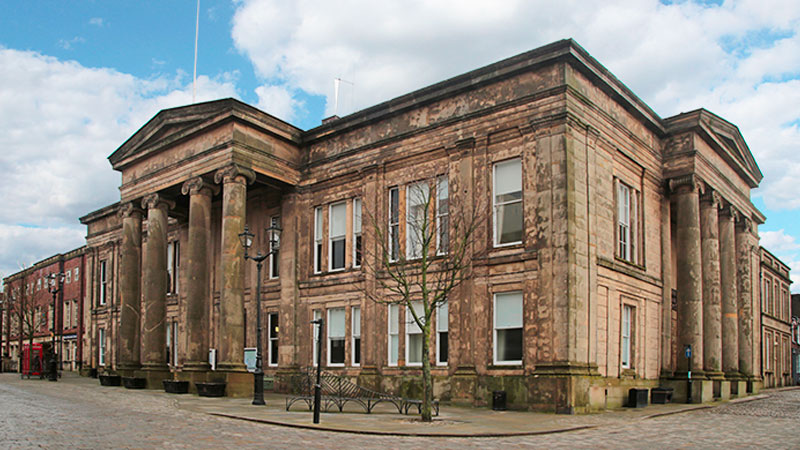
(688,351)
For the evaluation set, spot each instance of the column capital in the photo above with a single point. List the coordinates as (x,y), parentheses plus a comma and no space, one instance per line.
(684,183)
(729,211)
(129,209)
(710,196)
(156,201)
(744,223)
(234,173)
(198,184)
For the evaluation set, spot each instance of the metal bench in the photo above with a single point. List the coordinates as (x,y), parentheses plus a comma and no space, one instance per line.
(338,391)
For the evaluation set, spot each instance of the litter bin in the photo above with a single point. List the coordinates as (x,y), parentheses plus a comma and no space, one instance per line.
(499,400)
(637,398)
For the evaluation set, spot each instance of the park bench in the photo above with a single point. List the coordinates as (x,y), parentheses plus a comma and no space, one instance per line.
(338,391)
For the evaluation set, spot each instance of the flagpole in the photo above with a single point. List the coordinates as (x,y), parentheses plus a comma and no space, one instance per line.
(196,33)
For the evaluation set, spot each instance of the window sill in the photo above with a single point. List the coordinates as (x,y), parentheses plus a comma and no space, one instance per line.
(501,365)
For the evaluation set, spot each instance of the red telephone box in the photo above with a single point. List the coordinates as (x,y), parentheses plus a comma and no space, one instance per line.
(32,360)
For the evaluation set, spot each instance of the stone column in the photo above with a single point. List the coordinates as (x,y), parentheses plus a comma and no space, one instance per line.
(712,311)
(197,289)
(745,307)
(154,283)
(690,272)
(729,292)
(234,181)
(130,266)
(666,297)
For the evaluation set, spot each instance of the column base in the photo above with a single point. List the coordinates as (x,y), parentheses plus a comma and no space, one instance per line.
(231,367)
(713,375)
(239,383)
(196,366)
(702,389)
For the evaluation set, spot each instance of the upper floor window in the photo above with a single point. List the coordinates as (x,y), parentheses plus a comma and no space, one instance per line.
(627,219)
(394,224)
(417,223)
(508,202)
(766,300)
(275,221)
(337,229)
(442,216)
(318,239)
(77,273)
(357,250)
(68,277)
(103,282)
(173,266)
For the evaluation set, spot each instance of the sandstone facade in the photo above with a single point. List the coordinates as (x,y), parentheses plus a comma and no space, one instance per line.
(635,238)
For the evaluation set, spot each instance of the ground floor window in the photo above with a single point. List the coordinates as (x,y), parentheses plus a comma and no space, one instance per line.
(273,339)
(315,331)
(356,333)
(442,325)
(626,353)
(394,337)
(336,333)
(414,335)
(101,346)
(508,328)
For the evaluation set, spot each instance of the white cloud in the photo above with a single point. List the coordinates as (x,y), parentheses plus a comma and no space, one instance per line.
(96,21)
(58,123)
(778,241)
(68,44)
(278,101)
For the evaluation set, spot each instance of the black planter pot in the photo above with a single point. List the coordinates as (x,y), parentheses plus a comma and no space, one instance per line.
(93,372)
(110,380)
(214,389)
(175,386)
(134,383)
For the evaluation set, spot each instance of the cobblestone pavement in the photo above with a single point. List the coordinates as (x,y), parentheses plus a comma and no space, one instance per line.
(39,414)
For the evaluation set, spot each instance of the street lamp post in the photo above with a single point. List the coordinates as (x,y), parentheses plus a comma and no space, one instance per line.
(246,239)
(54,286)
(317,386)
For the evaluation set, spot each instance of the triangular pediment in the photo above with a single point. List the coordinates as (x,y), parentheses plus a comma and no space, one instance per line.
(168,126)
(724,137)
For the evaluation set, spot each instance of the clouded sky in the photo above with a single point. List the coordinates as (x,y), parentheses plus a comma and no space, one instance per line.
(78,78)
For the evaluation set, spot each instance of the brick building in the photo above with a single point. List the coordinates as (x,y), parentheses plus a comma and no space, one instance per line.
(612,240)
(796,338)
(776,321)
(29,309)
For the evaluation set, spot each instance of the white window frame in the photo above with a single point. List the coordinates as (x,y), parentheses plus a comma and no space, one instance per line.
(67,319)
(339,237)
(103,282)
(355,334)
(74,313)
(77,275)
(271,339)
(357,231)
(416,192)
(495,204)
(68,277)
(173,266)
(330,338)
(627,222)
(101,346)
(393,331)
(442,215)
(626,337)
(318,240)
(442,326)
(274,257)
(412,329)
(495,328)
(394,227)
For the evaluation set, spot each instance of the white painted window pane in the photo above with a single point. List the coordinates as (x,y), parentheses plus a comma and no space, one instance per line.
(394,318)
(356,322)
(336,320)
(338,220)
(442,318)
(357,215)
(417,196)
(508,310)
(411,324)
(394,348)
(508,177)
(415,348)
(318,223)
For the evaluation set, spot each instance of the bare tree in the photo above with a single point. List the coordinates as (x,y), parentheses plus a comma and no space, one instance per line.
(437,259)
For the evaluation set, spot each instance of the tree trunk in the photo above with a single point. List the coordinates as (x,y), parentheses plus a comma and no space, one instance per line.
(427,382)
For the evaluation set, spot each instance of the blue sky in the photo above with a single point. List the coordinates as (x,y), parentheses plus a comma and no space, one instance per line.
(77,78)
